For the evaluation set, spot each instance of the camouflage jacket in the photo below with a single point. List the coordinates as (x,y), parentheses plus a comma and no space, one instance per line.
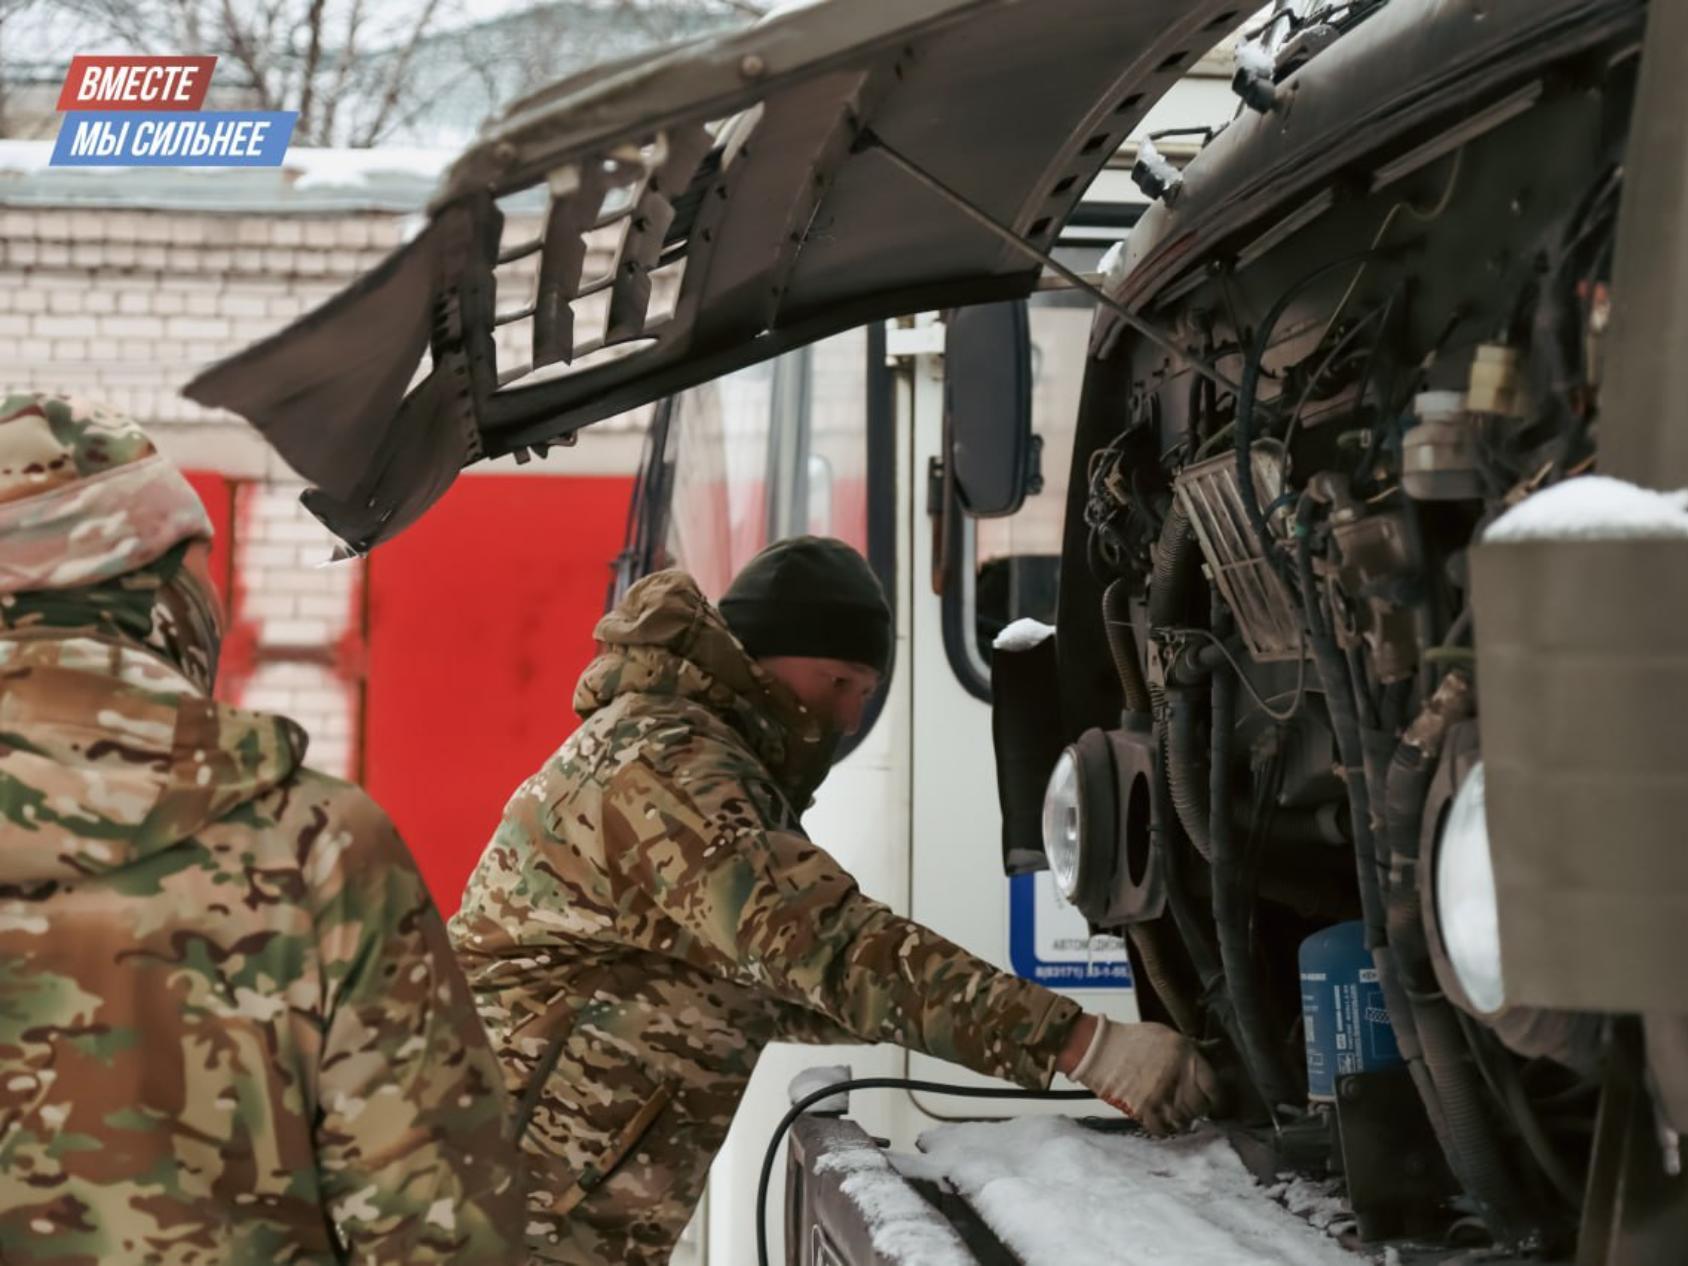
(649,915)
(231,1030)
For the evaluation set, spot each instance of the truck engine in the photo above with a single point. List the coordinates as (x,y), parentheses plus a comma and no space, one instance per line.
(1260,716)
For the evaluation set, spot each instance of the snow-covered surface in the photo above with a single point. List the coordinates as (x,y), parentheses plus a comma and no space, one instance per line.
(1593,508)
(1023,635)
(1060,1195)
(904,1227)
(819,1078)
(1255,59)
(388,178)
(310,167)
(1112,266)
(1318,1203)
(1157,164)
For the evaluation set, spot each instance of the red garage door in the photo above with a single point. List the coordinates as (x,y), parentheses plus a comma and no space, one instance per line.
(479,622)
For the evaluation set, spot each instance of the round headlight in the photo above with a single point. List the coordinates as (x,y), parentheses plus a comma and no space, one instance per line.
(1063,824)
(1466,908)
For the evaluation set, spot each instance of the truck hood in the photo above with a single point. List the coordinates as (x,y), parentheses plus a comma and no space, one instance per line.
(738,190)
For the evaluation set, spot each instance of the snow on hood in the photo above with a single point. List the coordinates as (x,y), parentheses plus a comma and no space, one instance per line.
(1060,1195)
(1593,508)
(904,1228)
(1023,635)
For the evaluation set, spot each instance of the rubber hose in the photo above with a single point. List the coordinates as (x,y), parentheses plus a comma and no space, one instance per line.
(1171,593)
(1231,912)
(1177,570)
(1184,917)
(1147,939)
(1476,1150)
(1187,768)
(1479,1158)
(1339,705)
(1122,645)
(1332,669)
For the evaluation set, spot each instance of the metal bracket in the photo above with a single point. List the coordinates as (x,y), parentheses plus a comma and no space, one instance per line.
(1397,1176)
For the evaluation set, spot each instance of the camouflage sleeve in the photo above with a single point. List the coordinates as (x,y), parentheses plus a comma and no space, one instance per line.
(411,1146)
(772,909)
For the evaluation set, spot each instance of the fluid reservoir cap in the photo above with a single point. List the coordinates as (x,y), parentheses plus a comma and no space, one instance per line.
(1439,406)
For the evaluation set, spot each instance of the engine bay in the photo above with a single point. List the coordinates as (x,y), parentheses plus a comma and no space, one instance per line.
(1264,676)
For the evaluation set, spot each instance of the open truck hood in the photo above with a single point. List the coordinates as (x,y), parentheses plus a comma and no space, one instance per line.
(730,180)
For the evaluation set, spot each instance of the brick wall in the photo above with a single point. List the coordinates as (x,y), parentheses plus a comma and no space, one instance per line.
(124,305)
(299,625)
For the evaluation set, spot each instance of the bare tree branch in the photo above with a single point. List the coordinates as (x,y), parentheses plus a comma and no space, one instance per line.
(307,76)
(354,69)
(396,77)
(242,50)
(342,72)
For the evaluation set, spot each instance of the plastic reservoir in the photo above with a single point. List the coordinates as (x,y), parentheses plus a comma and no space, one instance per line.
(1346,1018)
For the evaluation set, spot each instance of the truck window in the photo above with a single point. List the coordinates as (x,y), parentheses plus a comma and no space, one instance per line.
(802,444)
(776,450)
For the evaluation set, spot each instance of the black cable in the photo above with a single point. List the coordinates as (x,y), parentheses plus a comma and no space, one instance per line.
(873,1083)
(1242,436)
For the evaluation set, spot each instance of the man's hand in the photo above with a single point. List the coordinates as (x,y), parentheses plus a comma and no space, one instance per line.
(1147,1071)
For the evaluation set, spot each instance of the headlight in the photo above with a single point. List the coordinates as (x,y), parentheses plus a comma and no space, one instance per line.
(1467,912)
(1063,824)
(1081,822)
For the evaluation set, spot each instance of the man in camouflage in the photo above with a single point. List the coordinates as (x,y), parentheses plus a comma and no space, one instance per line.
(231,1029)
(650,915)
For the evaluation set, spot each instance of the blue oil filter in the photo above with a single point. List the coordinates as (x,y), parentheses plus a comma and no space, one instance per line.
(1342,1007)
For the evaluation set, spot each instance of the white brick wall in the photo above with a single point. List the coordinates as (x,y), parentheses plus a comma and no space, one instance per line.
(319,700)
(293,601)
(124,306)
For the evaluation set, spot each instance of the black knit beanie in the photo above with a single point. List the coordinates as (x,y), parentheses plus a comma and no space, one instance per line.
(814,596)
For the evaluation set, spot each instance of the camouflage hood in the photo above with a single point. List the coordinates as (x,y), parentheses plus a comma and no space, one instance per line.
(665,639)
(158,762)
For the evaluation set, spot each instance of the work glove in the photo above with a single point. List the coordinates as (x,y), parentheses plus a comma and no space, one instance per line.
(1149,1072)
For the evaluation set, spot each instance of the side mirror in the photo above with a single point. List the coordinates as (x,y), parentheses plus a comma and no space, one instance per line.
(988,442)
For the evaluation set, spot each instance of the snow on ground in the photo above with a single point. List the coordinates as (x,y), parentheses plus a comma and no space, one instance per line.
(1590,508)
(904,1227)
(1316,1202)
(1023,635)
(1060,1195)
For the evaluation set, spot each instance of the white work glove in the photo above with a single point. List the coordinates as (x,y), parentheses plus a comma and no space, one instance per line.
(1149,1072)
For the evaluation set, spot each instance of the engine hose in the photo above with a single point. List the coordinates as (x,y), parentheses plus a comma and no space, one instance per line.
(1172,590)
(1186,767)
(1332,669)
(872,1083)
(1475,1148)
(1116,620)
(1150,944)
(1243,437)
(1162,829)
(1232,912)
(1177,570)
(1479,1157)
